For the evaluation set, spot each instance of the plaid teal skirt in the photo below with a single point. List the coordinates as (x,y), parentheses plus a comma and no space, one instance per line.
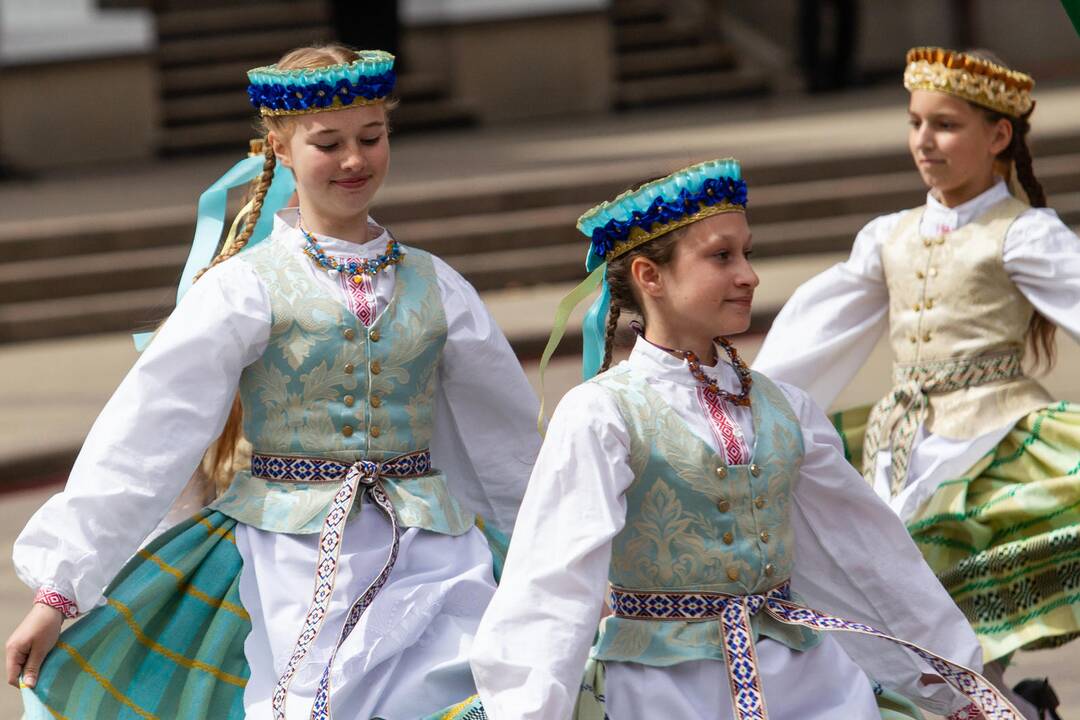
(169,642)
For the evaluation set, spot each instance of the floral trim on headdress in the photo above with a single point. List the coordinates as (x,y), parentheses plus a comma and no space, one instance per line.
(979,81)
(658,207)
(368,79)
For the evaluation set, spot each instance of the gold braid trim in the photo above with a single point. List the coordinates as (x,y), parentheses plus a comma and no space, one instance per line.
(638,236)
(336,105)
(979,81)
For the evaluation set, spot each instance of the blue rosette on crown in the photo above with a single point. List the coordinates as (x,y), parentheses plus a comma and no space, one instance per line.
(658,207)
(635,217)
(368,79)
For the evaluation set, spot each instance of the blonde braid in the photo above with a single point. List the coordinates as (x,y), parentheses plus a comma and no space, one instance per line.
(261,187)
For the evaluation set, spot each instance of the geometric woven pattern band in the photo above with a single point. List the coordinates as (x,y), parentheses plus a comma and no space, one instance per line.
(733,613)
(54,599)
(287,468)
(895,419)
(363,476)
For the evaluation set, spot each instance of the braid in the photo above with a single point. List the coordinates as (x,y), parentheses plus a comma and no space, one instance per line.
(609,335)
(1021,156)
(261,187)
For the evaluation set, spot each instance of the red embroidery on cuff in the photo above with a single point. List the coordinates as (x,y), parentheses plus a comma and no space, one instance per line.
(54,599)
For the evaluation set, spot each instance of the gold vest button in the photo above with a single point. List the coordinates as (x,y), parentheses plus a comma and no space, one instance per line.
(929,303)
(374,335)
(733,574)
(755,469)
(721,472)
(348,400)
(348,333)
(349,368)
(940,240)
(927,242)
(916,307)
(376,368)
(913,339)
(728,538)
(376,401)
(764,536)
(759,502)
(926,337)
(769,570)
(933,272)
(375,431)
(347,431)
(723,505)
(920,274)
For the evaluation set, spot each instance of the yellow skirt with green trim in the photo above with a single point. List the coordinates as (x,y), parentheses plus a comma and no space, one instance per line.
(1004,539)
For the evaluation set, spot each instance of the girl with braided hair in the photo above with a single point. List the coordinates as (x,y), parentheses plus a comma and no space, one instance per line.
(971,452)
(714,508)
(343,568)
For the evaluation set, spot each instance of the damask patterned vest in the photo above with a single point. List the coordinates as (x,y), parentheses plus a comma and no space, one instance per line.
(328,387)
(950,299)
(694,523)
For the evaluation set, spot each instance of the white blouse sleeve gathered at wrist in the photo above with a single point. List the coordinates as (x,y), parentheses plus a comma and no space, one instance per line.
(532,644)
(148,439)
(1042,256)
(485,438)
(854,558)
(830,325)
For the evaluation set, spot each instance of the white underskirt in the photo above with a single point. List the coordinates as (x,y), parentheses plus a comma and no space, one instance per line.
(934,460)
(408,655)
(822,683)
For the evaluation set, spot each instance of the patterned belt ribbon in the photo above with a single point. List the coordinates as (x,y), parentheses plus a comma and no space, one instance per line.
(912,386)
(352,476)
(734,611)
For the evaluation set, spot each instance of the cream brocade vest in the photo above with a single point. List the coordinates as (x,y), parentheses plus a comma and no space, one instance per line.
(328,387)
(951,298)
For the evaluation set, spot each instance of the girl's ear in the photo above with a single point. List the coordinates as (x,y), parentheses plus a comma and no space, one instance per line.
(1003,133)
(646,276)
(281,148)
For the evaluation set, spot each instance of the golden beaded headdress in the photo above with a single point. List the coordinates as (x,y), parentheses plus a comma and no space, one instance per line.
(979,81)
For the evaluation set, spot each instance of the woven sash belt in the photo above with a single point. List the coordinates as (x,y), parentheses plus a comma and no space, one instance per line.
(912,386)
(364,475)
(734,611)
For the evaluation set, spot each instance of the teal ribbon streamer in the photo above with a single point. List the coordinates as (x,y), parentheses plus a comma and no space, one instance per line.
(211,220)
(592,332)
(1072,7)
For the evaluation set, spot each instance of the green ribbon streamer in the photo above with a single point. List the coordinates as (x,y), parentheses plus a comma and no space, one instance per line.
(562,316)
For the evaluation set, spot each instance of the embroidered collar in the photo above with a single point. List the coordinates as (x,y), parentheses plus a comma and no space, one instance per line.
(657,363)
(938,216)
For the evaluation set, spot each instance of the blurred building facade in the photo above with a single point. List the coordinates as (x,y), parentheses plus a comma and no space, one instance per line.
(88,81)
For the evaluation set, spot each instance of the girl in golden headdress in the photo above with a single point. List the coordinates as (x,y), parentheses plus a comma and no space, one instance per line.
(981,463)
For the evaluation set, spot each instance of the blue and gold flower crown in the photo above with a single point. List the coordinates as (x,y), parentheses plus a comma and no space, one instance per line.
(658,207)
(633,218)
(368,79)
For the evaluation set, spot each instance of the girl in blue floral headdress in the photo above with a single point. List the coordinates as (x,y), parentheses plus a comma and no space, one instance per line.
(341,569)
(715,507)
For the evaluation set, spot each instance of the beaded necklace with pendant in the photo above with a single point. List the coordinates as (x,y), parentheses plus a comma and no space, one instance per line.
(746,380)
(354,269)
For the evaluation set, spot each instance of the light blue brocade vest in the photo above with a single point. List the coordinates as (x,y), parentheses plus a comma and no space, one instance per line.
(696,524)
(328,387)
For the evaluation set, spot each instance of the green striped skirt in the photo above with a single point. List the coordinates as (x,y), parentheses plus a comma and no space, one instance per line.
(169,642)
(1004,539)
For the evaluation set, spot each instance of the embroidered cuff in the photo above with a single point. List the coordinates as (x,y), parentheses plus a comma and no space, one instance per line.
(54,599)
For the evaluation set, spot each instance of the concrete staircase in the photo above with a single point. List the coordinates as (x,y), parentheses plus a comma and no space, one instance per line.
(206,48)
(663,55)
(118,271)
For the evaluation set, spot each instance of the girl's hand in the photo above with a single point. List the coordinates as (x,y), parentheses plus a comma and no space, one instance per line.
(31,642)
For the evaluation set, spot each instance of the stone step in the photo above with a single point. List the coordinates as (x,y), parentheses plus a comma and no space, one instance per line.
(258,47)
(652,62)
(653,34)
(652,91)
(636,11)
(210,20)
